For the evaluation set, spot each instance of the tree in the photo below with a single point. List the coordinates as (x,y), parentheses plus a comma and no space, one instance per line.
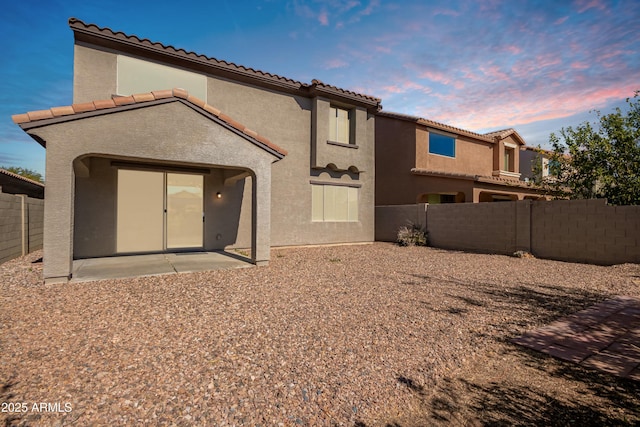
(27,173)
(601,161)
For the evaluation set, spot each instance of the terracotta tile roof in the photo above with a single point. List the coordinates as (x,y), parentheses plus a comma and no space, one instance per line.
(428,172)
(318,86)
(494,136)
(20,177)
(436,125)
(143,98)
(504,133)
(82,29)
(508,182)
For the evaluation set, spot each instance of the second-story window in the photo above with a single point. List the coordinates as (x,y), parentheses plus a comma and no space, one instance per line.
(340,125)
(509,159)
(442,144)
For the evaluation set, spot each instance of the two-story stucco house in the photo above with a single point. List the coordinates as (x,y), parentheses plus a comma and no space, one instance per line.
(423,161)
(168,150)
(536,164)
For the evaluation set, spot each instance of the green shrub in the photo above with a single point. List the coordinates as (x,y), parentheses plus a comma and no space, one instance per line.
(412,235)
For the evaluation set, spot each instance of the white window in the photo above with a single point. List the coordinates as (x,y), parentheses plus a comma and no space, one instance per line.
(339,125)
(333,203)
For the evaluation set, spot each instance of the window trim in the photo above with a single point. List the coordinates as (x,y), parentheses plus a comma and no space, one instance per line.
(342,144)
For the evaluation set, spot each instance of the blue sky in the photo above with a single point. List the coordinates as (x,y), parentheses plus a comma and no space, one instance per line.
(536,66)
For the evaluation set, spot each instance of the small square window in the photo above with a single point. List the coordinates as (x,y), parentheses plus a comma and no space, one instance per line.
(442,145)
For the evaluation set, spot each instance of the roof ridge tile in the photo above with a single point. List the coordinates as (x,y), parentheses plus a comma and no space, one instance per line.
(83,107)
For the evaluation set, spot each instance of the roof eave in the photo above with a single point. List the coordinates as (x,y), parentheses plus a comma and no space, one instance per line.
(177,95)
(213,68)
(104,37)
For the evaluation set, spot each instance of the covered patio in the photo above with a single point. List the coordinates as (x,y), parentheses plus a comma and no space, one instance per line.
(155,173)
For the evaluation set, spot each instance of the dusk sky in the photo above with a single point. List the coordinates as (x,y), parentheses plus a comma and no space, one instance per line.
(536,66)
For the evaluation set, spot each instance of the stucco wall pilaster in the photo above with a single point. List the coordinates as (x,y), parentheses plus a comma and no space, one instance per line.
(261,217)
(58,217)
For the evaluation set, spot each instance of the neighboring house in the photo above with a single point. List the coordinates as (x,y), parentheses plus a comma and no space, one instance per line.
(422,161)
(234,158)
(13,183)
(535,164)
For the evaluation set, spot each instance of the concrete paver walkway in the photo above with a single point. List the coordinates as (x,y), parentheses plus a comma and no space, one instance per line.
(154,264)
(605,336)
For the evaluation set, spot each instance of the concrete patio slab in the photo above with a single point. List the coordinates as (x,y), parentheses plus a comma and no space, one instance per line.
(121,267)
(605,336)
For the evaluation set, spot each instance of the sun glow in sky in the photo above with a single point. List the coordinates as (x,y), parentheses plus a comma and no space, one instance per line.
(536,66)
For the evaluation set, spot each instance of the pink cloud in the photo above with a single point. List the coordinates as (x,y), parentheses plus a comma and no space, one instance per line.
(383,49)
(445,12)
(513,49)
(403,85)
(335,63)
(323,18)
(584,5)
(393,89)
(577,65)
(561,21)
(548,60)
(442,78)
(494,72)
(370,7)
(510,108)
(435,76)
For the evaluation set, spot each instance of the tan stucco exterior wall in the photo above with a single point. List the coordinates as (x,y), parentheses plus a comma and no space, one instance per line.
(285,119)
(395,156)
(472,157)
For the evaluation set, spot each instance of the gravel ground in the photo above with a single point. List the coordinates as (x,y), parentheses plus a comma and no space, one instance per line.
(361,335)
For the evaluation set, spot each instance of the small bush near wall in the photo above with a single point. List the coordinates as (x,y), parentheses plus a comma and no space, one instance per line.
(412,235)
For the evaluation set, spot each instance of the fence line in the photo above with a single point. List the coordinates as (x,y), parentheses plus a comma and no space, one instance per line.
(588,231)
(21,225)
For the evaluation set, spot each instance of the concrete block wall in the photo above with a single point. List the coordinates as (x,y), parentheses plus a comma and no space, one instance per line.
(21,225)
(390,218)
(478,227)
(588,231)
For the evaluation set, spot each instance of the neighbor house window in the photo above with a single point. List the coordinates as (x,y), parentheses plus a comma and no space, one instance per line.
(545,167)
(339,125)
(554,168)
(333,203)
(436,199)
(442,144)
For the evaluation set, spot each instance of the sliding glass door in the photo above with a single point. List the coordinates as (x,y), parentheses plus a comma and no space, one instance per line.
(158,211)
(184,211)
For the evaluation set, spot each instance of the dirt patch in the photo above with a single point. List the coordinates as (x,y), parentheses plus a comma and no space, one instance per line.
(372,335)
